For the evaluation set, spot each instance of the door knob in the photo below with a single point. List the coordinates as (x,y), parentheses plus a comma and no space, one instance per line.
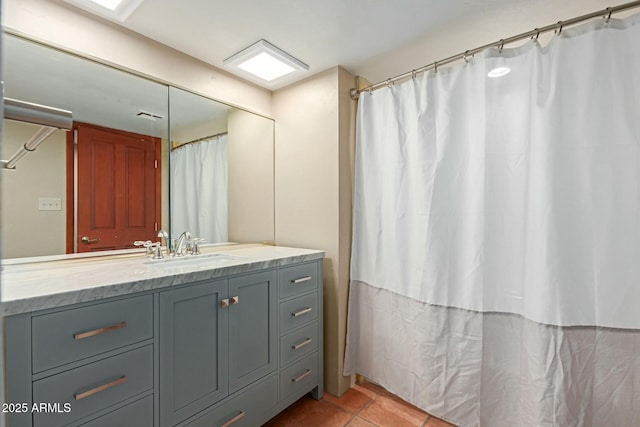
(88,240)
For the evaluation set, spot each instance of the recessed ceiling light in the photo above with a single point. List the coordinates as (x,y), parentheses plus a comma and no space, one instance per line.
(266,67)
(109,4)
(499,72)
(265,63)
(117,10)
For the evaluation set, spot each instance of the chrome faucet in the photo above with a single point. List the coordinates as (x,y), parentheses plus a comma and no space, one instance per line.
(180,245)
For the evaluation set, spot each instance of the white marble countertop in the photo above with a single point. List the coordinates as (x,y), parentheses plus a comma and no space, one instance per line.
(41,285)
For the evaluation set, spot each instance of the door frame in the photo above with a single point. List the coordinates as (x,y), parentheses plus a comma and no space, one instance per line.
(71,175)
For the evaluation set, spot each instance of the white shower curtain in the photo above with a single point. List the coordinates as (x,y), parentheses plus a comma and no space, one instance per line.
(497,235)
(199,190)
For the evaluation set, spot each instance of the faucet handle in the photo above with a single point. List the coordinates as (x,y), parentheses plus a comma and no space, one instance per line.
(156,249)
(196,248)
(148,244)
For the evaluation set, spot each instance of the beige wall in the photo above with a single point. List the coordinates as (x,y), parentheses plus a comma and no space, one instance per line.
(27,231)
(67,27)
(346,162)
(313,193)
(251,187)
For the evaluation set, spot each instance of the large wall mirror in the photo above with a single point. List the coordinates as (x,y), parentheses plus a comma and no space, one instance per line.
(221,158)
(139,153)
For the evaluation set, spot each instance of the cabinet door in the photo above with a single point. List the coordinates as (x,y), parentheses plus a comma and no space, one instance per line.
(252,328)
(193,340)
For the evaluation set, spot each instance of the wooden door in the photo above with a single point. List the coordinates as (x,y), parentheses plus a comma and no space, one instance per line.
(118,188)
(193,350)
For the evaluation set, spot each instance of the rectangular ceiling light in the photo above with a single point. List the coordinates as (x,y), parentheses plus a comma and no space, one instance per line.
(115,10)
(109,4)
(266,63)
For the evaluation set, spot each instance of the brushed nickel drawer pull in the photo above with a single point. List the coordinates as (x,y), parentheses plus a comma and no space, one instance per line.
(301,312)
(301,280)
(80,396)
(301,377)
(302,344)
(88,334)
(225,303)
(234,419)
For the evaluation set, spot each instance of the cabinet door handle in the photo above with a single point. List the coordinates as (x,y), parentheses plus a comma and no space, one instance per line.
(88,334)
(234,419)
(301,280)
(301,312)
(80,396)
(302,344)
(225,303)
(235,300)
(301,377)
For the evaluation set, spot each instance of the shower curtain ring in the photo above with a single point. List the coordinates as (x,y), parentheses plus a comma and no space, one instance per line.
(465,56)
(608,18)
(414,73)
(559,29)
(537,30)
(501,46)
(435,66)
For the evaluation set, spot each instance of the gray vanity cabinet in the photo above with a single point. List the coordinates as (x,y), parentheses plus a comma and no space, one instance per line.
(215,338)
(193,330)
(253,348)
(230,351)
(82,364)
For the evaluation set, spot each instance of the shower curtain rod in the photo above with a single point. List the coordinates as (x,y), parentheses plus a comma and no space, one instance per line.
(204,138)
(605,13)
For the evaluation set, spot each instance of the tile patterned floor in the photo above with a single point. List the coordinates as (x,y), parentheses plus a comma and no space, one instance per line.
(365,405)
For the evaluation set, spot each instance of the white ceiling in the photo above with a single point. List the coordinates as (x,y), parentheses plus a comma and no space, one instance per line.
(326,33)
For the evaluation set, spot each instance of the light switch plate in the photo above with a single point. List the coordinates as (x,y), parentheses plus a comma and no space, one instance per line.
(49,204)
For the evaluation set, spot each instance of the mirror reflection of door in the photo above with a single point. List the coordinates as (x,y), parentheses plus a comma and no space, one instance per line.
(118,188)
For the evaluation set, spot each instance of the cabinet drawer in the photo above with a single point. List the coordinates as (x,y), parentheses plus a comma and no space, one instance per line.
(95,386)
(136,414)
(67,336)
(248,408)
(298,343)
(300,377)
(298,279)
(298,312)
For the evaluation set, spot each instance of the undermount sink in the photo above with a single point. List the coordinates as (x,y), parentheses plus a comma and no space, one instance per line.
(202,261)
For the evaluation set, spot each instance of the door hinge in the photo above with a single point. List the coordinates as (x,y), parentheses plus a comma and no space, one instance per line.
(155,163)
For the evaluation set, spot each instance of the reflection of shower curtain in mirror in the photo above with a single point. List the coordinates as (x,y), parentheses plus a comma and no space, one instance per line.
(199,188)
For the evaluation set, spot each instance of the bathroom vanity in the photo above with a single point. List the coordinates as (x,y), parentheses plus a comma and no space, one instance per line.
(228,339)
